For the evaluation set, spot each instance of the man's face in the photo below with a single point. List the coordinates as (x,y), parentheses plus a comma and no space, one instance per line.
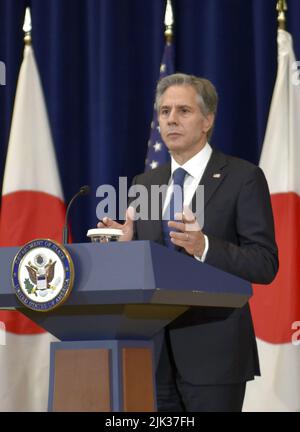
(183,127)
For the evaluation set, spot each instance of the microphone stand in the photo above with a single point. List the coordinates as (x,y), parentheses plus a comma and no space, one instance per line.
(84,190)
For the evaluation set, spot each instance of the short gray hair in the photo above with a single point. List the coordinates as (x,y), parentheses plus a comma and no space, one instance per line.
(206,92)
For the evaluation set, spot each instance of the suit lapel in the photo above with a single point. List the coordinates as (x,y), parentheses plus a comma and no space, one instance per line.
(214,174)
(161,178)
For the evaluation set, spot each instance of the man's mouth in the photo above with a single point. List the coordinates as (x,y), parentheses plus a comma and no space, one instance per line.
(173,133)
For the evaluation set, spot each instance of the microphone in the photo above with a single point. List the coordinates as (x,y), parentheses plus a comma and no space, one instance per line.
(84,190)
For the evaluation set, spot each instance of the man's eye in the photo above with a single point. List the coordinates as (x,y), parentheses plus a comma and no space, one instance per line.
(184,110)
(164,111)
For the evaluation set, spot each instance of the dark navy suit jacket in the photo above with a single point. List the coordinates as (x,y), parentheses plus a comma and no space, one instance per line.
(217,345)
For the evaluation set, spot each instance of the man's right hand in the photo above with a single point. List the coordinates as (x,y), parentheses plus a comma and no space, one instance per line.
(127,227)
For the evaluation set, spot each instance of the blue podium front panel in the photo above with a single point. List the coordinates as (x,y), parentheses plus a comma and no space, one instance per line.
(128,290)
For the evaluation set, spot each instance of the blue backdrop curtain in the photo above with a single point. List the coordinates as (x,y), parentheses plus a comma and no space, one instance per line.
(99,62)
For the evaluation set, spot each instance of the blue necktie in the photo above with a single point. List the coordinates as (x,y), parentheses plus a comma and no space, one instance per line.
(175,205)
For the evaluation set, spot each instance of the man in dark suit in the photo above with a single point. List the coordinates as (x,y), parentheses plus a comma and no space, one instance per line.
(207,354)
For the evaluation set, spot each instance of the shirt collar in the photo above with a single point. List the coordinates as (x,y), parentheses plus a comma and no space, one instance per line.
(196,164)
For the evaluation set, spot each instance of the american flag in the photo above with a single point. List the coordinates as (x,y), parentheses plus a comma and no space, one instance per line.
(158,153)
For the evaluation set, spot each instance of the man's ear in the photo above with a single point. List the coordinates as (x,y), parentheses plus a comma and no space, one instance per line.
(208,122)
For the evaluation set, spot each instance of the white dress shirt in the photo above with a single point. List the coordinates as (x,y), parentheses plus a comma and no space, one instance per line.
(195,168)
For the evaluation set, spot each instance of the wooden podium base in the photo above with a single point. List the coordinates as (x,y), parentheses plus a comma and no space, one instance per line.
(102,376)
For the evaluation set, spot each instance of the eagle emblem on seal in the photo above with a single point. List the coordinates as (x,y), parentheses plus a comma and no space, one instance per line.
(41,274)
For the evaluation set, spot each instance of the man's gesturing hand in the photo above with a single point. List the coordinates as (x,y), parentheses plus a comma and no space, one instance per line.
(188,233)
(127,227)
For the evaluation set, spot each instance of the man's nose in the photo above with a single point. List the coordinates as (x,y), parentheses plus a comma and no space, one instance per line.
(172,118)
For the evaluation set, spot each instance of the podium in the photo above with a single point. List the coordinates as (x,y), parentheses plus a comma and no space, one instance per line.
(123,294)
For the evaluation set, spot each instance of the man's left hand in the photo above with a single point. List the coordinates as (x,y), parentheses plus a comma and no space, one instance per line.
(188,234)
